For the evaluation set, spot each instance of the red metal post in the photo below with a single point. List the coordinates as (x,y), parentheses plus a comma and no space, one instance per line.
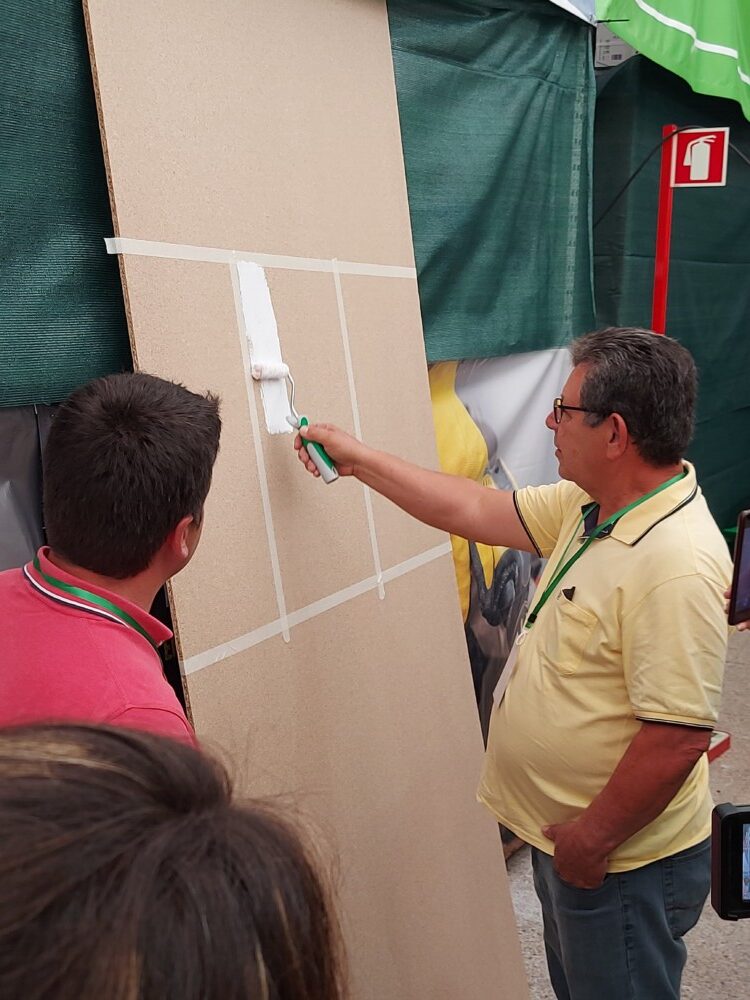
(663,235)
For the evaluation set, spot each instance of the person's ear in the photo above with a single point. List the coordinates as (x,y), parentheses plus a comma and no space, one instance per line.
(619,438)
(178,539)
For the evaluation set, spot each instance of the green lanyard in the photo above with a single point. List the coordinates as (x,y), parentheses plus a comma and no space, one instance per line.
(102,602)
(563,567)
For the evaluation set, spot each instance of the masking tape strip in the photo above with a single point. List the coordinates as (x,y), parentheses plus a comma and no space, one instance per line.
(180,251)
(258,635)
(357,425)
(262,337)
(283,624)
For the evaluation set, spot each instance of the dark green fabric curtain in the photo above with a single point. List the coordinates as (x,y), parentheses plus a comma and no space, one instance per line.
(709,282)
(62,318)
(496,101)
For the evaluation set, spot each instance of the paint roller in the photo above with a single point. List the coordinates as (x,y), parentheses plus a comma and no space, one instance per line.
(278,370)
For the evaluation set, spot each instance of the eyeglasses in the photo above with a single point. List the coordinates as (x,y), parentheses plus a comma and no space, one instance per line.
(558,406)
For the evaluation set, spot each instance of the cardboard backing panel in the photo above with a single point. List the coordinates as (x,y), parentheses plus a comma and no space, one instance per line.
(272,128)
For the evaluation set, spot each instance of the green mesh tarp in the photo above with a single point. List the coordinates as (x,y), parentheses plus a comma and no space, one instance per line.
(496,105)
(62,318)
(709,280)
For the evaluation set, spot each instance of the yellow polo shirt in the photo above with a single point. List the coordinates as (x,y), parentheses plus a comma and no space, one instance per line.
(635,630)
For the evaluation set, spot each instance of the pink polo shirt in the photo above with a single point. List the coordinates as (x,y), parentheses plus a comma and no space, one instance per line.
(62,657)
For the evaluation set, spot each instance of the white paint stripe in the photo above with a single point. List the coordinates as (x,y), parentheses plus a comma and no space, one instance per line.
(262,477)
(258,635)
(183,251)
(688,29)
(357,425)
(263,342)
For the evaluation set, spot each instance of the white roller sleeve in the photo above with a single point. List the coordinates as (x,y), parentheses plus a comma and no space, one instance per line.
(268,371)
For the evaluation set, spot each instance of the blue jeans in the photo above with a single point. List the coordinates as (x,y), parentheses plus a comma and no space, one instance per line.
(622,941)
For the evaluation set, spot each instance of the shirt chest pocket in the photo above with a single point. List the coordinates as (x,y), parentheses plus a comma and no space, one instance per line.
(567,634)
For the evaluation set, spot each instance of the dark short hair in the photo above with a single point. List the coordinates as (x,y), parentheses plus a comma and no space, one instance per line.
(649,379)
(128,873)
(127,457)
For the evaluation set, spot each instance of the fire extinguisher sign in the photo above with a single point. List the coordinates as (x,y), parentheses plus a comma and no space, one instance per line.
(699,157)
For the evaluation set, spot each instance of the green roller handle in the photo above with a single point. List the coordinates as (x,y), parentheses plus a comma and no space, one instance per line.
(321,458)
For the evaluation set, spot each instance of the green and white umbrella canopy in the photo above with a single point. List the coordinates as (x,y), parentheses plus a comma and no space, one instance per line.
(706,42)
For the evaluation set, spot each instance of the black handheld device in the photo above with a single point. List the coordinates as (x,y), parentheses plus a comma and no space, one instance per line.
(739,598)
(730,861)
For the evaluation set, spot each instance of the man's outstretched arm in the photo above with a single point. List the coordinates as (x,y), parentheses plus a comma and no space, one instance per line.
(451,503)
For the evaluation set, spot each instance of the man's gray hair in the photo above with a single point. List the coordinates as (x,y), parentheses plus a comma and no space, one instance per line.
(650,380)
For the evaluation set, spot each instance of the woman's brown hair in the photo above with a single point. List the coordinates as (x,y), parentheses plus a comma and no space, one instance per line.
(128,873)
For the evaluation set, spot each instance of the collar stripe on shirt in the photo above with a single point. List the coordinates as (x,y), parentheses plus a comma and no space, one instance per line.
(683,503)
(75,604)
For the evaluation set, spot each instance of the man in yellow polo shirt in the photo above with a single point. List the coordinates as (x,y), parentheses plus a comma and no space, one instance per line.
(597,753)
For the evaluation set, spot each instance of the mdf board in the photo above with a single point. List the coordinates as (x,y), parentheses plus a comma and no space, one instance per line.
(318,626)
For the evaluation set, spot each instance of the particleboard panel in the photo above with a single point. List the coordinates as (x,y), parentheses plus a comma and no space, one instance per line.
(425,900)
(272,129)
(185,328)
(229,106)
(311,518)
(394,395)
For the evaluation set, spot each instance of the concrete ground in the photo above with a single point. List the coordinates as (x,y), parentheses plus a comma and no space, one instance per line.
(718,965)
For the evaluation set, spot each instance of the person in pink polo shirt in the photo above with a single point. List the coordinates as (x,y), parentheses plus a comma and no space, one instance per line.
(127,468)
